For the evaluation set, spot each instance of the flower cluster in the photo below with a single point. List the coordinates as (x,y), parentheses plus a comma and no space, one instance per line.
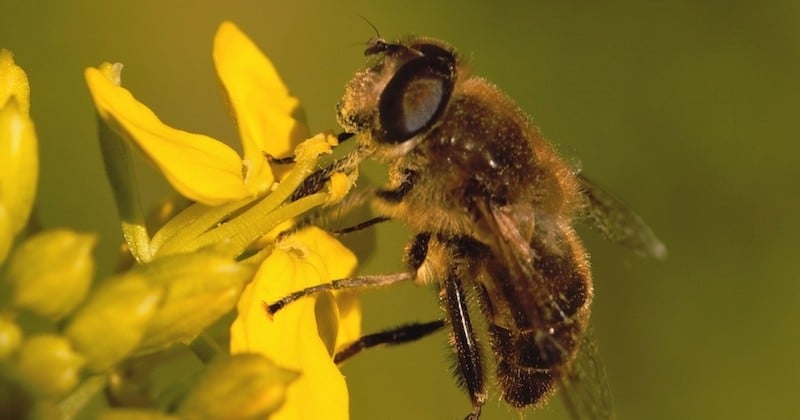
(179,330)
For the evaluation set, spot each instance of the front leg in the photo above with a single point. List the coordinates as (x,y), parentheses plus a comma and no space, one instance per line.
(409,179)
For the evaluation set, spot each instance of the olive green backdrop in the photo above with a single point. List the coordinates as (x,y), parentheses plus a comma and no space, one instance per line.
(688,112)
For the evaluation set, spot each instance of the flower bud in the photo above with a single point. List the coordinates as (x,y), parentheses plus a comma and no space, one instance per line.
(10,337)
(48,366)
(13,82)
(200,287)
(51,272)
(242,386)
(19,158)
(110,325)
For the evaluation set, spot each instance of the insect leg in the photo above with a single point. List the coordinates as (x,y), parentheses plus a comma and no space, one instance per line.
(348,283)
(314,182)
(399,335)
(360,226)
(341,137)
(467,349)
(279,161)
(396,195)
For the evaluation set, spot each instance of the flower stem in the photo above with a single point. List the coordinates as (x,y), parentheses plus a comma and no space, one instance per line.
(205,348)
(122,177)
(73,404)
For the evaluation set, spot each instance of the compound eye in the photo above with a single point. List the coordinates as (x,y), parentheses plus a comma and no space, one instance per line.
(430,50)
(414,99)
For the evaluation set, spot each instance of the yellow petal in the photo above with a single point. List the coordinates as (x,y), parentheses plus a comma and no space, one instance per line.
(198,167)
(259,100)
(293,339)
(340,263)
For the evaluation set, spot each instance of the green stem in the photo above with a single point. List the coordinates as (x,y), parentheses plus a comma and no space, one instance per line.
(122,177)
(205,348)
(74,403)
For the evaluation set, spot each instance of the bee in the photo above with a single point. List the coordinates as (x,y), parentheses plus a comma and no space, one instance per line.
(491,206)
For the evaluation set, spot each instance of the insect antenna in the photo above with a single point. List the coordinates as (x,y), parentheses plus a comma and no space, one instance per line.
(374,28)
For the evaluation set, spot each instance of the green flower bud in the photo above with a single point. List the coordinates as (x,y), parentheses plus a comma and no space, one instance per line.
(51,272)
(19,158)
(48,366)
(242,386)
(200,287)
(111,323)
(10,337)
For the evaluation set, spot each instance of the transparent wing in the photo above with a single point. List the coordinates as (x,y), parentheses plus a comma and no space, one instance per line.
(618,223)
(539,292)
(584,387)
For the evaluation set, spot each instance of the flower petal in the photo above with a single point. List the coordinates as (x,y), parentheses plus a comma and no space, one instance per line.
(199,167)
(259,100)
(293,339)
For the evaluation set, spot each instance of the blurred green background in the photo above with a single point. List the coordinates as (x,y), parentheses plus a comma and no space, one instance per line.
(686,110)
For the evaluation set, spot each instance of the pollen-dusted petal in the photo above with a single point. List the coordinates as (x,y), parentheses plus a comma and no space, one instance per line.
(199,167)
(261,103)
(293,337)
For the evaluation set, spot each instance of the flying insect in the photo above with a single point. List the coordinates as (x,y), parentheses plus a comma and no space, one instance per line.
(491,206)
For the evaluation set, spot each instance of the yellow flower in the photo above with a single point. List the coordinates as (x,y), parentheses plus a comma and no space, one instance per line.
(237,203)
(304,335)
(199,167)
